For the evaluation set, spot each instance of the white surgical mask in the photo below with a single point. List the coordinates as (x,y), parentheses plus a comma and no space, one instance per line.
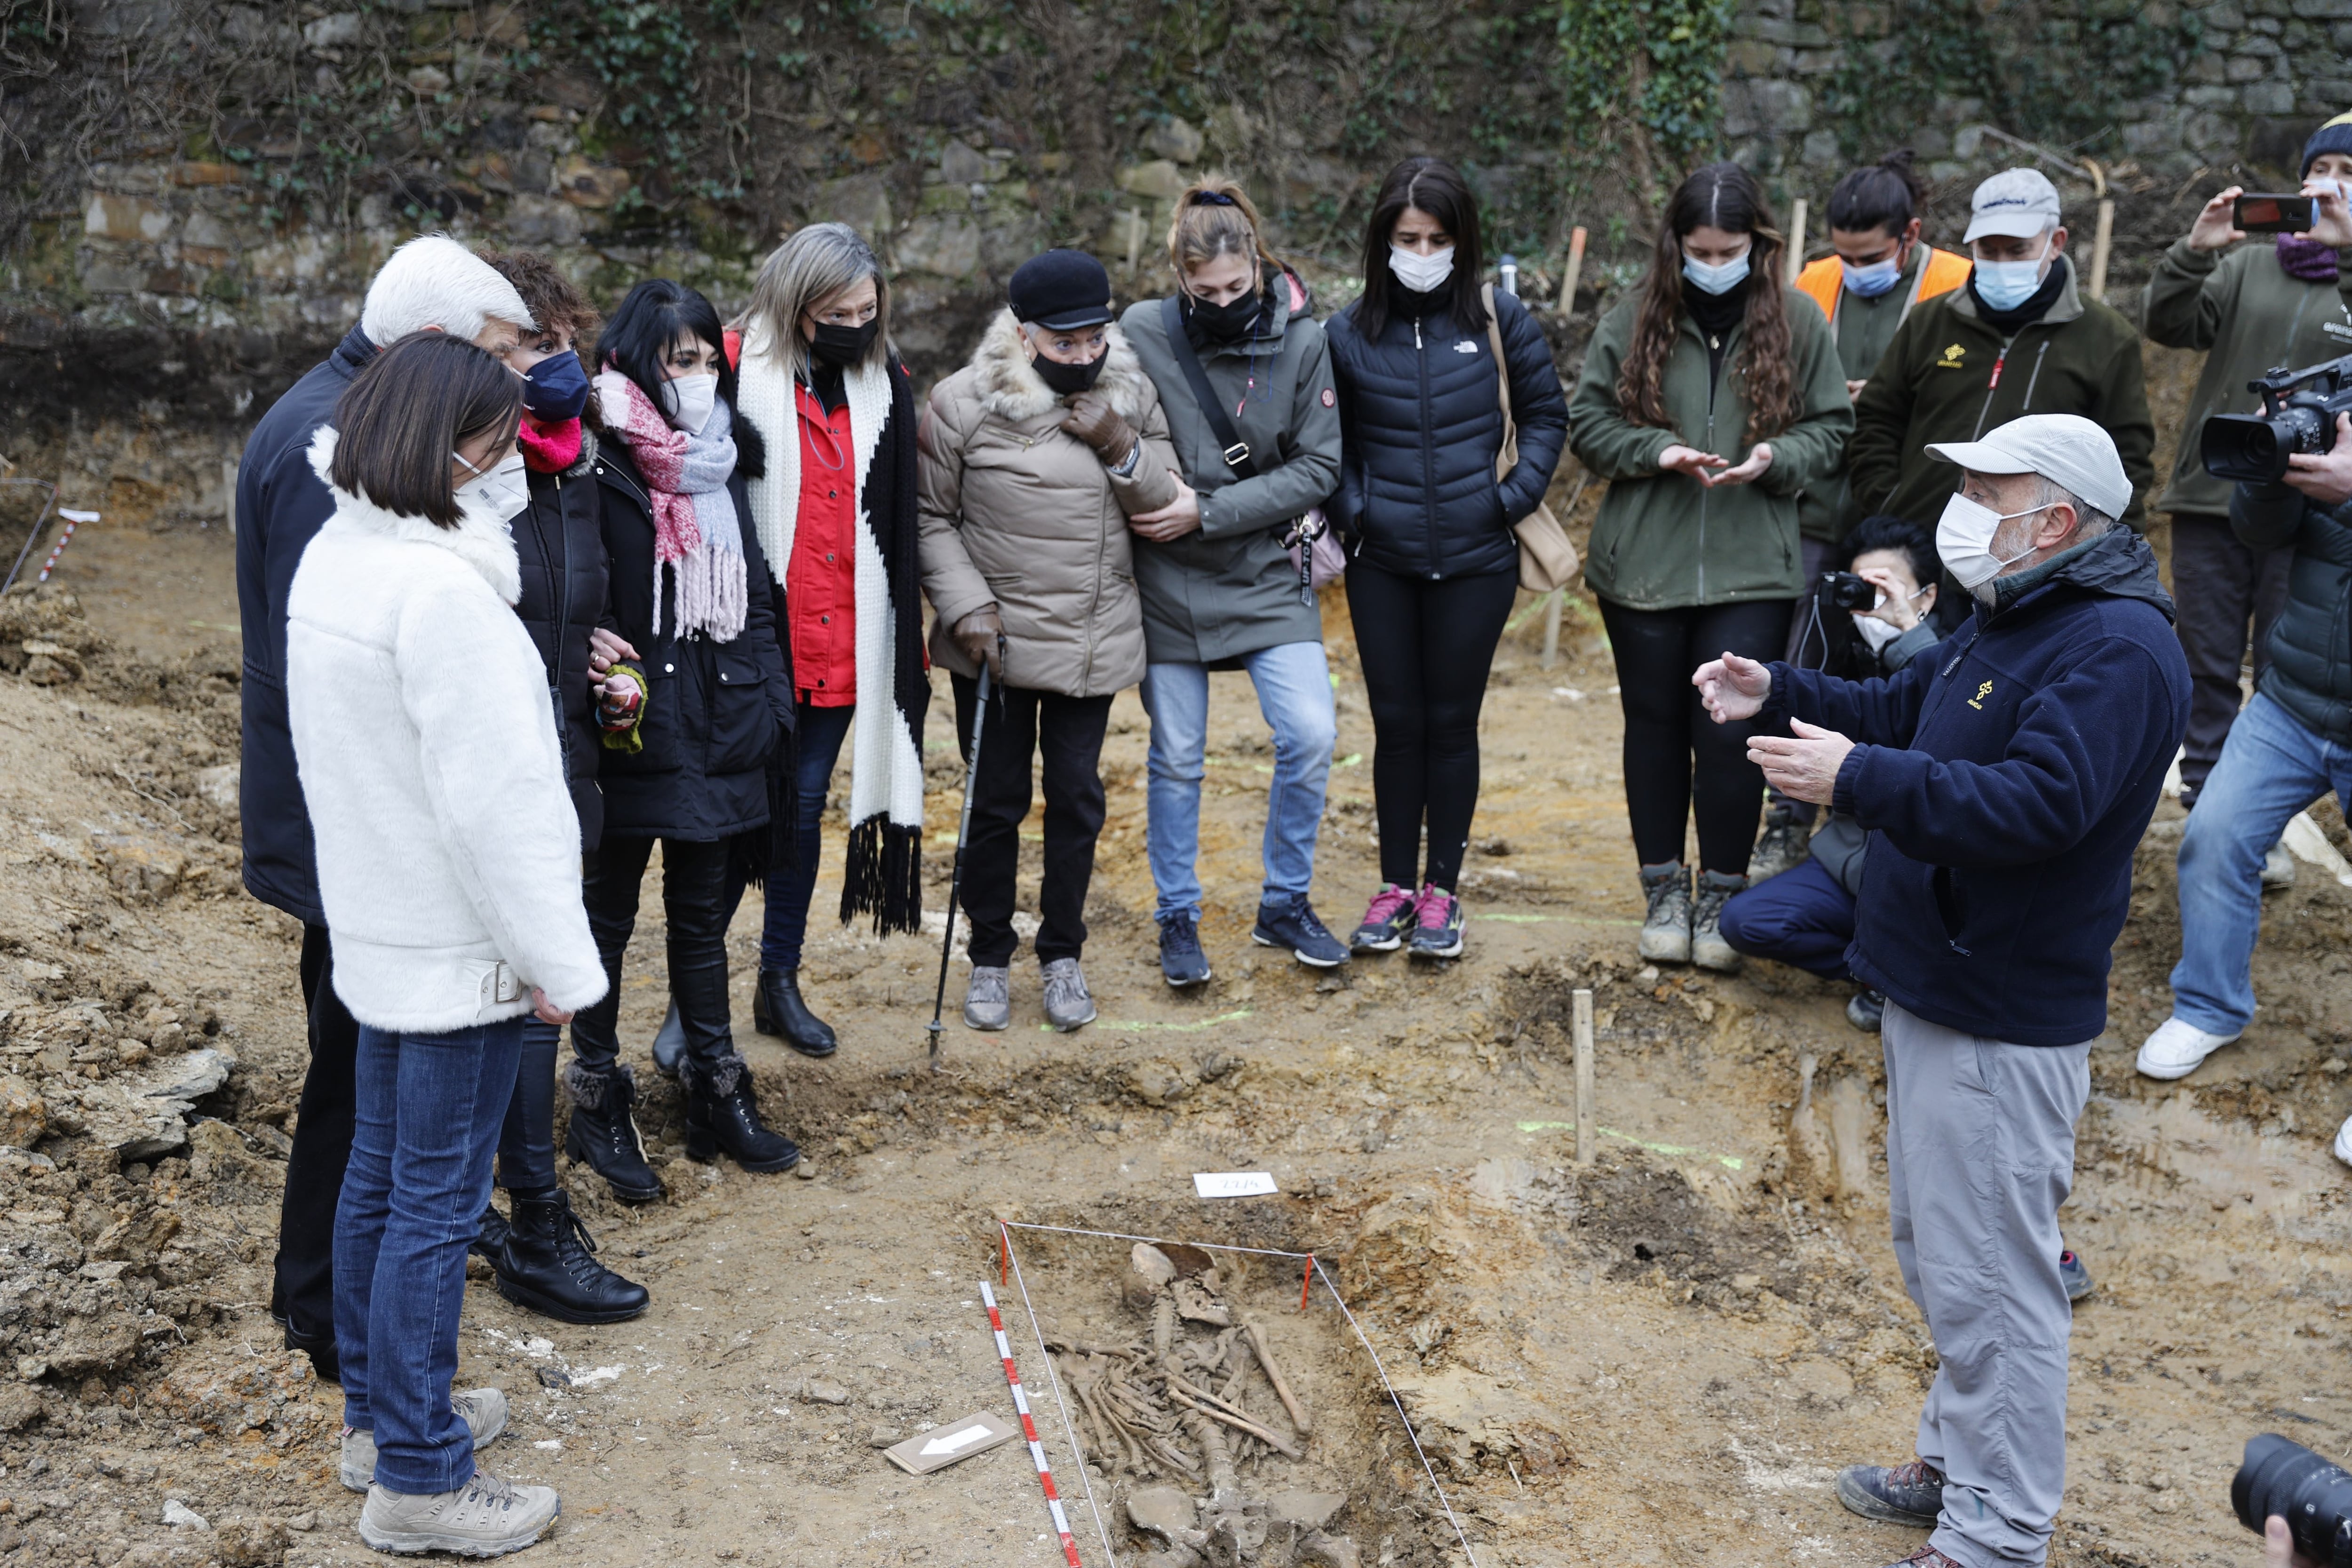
(1716,277)
(1964,539)
(500,491)
(2006,285)
(1875,279)
(2322,184)
(1421,273)
(688,399)
(1874,632)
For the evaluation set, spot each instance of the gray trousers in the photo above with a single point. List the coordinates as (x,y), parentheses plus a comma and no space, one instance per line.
(1979,1154)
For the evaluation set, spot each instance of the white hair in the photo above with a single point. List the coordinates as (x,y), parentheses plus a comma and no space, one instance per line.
(434,281)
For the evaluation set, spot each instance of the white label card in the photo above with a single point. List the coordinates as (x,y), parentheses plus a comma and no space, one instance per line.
(1233,1184)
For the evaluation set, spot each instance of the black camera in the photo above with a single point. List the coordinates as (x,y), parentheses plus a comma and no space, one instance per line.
(2299,410)
(1844,591)
(2314,1497)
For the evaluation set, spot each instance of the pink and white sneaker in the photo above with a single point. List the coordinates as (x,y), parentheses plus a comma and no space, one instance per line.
(1437,925)
(1387,923)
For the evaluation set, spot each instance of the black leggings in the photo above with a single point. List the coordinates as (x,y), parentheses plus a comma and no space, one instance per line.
(1667,728)
(694,888)
(1426,646)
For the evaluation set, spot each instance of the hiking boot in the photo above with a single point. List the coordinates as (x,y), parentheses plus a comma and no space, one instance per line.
(722,1112)
(486,1517)
(1909,1494)
(1785,842)
(490,1236)
(1387,922)
(547,1266)
(2278,868)
(2178,1048)
(1293,924)
(483,1410)
(1708,948)
(1667,928)
(777,1009)
(1926,1557)
(1181,962)
(2075,1276)
(988,997)
(1068,1005)
(1867,1011)
(604,1134)
(1437,921)
(669,1044)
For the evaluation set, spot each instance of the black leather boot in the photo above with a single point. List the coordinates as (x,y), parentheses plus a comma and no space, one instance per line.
(722,1112)
(777,1009)
(604,1135)
(547,1266)
(491,1238)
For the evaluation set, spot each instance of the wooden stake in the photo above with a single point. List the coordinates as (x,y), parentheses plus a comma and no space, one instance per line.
(2100,241)
(1575,270)
(1796,262)
(1551,627)
(1584,1128)
(1305,1280)
(1003,1254)
(1134,239)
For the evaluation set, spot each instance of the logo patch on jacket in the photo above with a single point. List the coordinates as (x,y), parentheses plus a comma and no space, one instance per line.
(1952,357)
(1330,398)
(1466,346)
(1983,691)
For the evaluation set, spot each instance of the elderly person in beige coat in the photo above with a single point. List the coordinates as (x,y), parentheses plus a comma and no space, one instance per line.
(1033,459)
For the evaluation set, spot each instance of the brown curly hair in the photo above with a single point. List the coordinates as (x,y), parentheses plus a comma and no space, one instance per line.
(555,303)
(1724,197)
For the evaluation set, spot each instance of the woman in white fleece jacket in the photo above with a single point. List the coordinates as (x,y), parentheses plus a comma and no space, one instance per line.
(449,867)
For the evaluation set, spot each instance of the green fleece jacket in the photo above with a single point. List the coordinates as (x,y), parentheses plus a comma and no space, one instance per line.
(1951,375)
(2250,317)
(1663,540)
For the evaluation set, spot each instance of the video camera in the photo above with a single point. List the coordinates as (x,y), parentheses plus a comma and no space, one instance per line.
(2253,448)
(2283,1477)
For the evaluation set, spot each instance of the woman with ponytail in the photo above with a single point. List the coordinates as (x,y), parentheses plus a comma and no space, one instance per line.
(1710,398)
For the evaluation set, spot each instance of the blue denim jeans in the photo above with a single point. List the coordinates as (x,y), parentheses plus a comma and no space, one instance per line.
(2270,768)
(784,925)
(1294,693)
(429,1108)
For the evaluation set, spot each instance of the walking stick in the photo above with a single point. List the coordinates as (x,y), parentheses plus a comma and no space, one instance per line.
(963,831)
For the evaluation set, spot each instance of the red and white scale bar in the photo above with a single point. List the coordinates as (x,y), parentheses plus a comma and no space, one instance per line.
(1029,1428)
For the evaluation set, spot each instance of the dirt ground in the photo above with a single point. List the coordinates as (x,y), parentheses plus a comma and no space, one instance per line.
(1659,1359)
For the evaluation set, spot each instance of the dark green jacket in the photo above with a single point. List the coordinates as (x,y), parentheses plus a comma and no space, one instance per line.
(2310,672)
(2250,317)
(1951,376)
(1229,589)
(1666,541)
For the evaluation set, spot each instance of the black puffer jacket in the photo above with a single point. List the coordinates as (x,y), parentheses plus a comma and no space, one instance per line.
(2310,672)
(559,546)
(714,711)
(1421,421)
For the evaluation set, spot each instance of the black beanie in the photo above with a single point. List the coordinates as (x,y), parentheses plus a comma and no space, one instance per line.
(1062,290)
(2335,136)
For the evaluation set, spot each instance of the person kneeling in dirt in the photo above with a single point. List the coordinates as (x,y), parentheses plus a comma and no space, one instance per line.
(448,863)
(2007,776)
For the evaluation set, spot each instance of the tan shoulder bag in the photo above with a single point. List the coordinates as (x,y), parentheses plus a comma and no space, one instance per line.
(1546,559)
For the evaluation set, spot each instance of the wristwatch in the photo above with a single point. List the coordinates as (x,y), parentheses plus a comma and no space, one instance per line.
(1126,465)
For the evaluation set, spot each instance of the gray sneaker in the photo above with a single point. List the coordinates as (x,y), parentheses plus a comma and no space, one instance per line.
(1786,841)
(1666,928)
(1708,948)
(483,1410)
(2278,868)
(1067,1004)
(988,999)
(486,1517)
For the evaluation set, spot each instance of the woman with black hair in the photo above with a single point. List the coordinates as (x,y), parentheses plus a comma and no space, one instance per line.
(1422,361)
(1695,552)
(690,589)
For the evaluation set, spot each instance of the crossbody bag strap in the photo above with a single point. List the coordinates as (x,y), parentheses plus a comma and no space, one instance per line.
(1507,455)
(1221,424)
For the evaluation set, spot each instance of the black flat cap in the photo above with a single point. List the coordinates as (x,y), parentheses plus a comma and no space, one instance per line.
(1060,290)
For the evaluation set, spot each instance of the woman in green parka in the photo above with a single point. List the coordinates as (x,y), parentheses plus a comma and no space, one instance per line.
(1710,398)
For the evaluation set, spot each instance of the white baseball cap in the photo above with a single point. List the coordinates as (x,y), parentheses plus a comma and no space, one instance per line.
(2018,203)
(2064,449)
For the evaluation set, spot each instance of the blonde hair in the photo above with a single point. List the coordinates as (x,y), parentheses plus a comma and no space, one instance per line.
(813,265)
(1225,223)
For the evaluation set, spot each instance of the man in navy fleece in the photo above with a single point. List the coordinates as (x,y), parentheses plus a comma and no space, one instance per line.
(2005,777)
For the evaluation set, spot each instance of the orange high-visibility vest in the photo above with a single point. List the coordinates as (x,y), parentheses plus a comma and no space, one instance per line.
(1941,274)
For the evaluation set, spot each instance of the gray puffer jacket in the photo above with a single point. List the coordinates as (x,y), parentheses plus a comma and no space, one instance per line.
(2310,672)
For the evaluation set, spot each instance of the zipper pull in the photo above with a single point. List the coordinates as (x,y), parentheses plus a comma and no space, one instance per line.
(1416,334)
(1998,360)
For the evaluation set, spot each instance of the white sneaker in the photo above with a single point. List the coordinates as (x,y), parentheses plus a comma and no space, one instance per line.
(483,1410)
(2278,868)
(2344,1142)
(486,1517)
(2177,1049)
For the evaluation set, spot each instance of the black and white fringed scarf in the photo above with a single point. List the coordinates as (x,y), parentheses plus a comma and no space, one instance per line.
(885,874)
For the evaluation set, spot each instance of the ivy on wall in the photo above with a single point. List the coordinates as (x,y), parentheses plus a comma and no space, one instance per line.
(1653,68)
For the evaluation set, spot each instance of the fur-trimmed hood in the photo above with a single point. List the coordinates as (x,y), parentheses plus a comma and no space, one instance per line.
(1012,391)
(480,539)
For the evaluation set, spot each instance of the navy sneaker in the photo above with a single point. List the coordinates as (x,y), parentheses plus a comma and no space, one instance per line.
(1437,925)
(1181,962)
(1909,1494)
(1387,923)
(2076,1279)
(1293,925)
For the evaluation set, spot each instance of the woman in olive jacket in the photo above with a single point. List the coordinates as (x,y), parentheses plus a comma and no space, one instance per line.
(1710,398)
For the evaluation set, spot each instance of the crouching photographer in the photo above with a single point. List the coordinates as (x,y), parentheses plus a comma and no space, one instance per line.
(2298,1502)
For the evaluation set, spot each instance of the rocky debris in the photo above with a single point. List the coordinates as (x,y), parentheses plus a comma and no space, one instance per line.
(250,1543)
(43,635)
(1464,1419)
(180,1516)
(143,1117)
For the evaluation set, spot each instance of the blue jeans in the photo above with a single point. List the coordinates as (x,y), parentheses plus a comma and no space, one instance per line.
(1293,692)
(429,1108)
(2270,768)
(1802,917)
(818,740)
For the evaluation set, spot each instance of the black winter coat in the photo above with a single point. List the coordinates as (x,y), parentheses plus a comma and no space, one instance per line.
(714,711)
(560,547)
(2310,672)
(280,506)
(1421,421)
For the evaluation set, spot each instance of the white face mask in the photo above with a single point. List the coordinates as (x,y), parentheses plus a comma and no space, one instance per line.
(1964,539)
(2006,285)
(1716,276)
(2321,183)
(1420,273)
(688,401)
(499,491)
(1872,278)
(1874,632)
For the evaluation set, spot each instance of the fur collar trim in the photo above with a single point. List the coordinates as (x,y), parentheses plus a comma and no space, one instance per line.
(1014,392)
(480,539)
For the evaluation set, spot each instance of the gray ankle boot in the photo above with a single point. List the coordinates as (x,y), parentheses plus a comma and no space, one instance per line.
(1667,928)
(1708,948)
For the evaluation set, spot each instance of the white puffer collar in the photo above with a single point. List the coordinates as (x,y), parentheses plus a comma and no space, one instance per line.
(480,539)
(1014,392)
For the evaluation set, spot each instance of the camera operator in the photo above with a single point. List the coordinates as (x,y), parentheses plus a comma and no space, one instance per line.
(2007,777)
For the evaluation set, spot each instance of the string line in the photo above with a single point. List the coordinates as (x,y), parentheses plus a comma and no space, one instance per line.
(1054,1383)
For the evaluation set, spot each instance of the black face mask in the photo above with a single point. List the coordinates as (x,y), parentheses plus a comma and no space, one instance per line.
(843,347)
(1226,323)
(1069,380)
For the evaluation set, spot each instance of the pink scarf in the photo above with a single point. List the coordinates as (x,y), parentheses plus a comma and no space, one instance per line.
(694,528)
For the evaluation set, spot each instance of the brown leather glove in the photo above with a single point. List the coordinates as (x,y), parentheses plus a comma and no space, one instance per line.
(977,635)
(1093,420)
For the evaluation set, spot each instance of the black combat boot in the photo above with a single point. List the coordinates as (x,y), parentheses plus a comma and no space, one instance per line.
(491,1239)
(777,1009)
(604,1135)
(722,1112)
(547,1266)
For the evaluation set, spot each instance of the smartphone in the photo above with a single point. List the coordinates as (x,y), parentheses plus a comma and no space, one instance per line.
(2264,213)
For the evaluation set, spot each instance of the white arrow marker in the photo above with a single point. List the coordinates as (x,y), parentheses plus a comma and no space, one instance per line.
(954,1440)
